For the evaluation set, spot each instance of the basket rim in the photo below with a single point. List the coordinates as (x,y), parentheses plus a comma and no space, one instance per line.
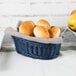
(13,32)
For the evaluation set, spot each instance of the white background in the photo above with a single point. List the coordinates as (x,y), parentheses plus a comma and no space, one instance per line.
(55,11)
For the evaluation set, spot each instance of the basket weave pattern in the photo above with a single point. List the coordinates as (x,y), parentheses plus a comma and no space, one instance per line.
(35,49)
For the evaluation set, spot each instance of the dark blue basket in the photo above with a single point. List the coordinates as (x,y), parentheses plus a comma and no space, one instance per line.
(36,49)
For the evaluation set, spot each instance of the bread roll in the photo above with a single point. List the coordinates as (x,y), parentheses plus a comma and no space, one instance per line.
(27,27)
(54,32)
(44,23)
(42,32)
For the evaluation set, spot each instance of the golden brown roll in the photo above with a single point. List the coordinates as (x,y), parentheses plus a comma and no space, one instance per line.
(27,27)
(54,31)
(42,32)
(44,23)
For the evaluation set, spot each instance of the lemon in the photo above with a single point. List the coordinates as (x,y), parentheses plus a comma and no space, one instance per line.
(72,22)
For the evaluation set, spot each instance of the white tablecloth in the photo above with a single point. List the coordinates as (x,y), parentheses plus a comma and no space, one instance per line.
(13,64)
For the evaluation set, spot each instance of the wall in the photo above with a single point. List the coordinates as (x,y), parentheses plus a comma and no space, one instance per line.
(55,11)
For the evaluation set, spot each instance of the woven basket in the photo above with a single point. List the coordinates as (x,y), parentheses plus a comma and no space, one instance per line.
(36,47)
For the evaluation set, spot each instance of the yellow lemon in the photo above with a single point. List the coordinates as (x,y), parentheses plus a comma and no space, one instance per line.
(72,22)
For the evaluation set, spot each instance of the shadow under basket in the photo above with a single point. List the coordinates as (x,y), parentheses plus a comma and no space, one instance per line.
(35,49)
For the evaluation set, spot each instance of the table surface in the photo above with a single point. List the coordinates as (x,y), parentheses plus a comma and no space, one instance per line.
(14,64)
